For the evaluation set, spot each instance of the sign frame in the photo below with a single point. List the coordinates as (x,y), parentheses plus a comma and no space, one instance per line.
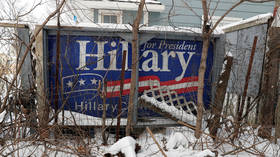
(144,35)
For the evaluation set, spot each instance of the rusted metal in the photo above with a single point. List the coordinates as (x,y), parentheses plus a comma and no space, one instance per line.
(120,100)
(247,78)
(241,106)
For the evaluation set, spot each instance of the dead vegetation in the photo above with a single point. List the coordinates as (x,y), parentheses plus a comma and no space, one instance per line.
(24,131)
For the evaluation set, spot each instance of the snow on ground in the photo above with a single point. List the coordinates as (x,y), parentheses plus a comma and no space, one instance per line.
(147,1)
(177,139)
(70,118)
(3,116)
(75,118)
(125,145)
(176,142)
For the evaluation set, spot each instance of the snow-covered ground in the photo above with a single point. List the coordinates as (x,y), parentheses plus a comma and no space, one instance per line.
(175,141)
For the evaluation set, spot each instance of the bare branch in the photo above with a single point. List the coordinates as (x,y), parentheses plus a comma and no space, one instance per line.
(205,12)
(31,9)
(259,1)
(225,14)
(27,51)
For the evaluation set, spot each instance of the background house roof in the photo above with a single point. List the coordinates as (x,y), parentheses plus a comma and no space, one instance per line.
(151,5)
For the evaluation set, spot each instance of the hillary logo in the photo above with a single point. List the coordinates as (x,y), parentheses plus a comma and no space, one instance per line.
(155,56)
(167,59)
(81,83)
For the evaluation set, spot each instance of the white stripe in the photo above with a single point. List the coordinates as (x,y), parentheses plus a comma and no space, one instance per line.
(183,85)
(156,83)
(127,85)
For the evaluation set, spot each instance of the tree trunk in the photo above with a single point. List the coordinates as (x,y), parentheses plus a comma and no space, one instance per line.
(135,29)
(57,71)
(269,88)
(201,73)
(202,68)
(277,110)
(277,119)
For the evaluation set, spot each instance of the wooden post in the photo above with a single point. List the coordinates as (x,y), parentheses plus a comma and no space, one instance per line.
(43,106)
(217,108)
(103,95)
(27,79)
(269,86)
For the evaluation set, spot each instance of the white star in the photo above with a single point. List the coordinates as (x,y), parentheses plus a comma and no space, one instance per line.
(82,82)
(70,84)
(93,81)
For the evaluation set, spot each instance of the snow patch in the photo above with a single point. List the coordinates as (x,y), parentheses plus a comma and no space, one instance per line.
(3,116)
(259,19)
(229,54)
(125,145)
(128,28)
(175,112)
(176,140)
(83,119)
(206,152)
(138,1)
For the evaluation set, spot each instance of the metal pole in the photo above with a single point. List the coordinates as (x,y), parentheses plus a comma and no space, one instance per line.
(247,78)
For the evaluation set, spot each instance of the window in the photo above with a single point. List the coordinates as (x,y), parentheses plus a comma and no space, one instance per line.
(110,19)
(110,16)
(145,18)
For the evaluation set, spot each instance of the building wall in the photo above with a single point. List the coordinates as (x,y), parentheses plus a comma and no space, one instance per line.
(177,13)
(181,15)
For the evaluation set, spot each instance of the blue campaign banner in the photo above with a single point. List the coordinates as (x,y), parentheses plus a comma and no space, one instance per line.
(87,61)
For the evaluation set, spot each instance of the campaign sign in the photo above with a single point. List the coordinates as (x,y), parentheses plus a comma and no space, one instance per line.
(86,62)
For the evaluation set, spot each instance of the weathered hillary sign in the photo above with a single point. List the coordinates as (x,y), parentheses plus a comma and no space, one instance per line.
(87,60)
